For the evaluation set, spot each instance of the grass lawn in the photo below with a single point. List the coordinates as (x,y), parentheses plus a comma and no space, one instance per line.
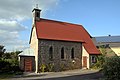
(6,76)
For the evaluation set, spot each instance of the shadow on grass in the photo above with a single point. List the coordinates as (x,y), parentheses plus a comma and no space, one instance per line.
(6,75)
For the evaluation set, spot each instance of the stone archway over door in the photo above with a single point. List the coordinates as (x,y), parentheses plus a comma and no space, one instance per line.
(28,65)
(84,61)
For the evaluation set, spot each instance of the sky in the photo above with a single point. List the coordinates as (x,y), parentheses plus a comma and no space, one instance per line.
(99,18)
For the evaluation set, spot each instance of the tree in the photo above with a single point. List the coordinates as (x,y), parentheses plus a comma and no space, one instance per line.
(106,52)
(7,55)
(12,57)
(2,50)
(101,58)
(8,61)
(111,68)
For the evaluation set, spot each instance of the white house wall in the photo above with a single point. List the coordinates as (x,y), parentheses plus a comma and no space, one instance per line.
(34,45)
(116,50)
(114,46)
(85,53)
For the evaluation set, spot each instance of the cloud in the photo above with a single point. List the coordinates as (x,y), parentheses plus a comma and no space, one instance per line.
(21,9)
(9,34)
(14,9)
(10,30)
(16,45)
(6,35)
(10,25)
(11,40)
(47,4)
(12,13)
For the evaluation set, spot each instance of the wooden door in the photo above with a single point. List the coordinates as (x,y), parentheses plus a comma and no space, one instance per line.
(28,65)
(84,61)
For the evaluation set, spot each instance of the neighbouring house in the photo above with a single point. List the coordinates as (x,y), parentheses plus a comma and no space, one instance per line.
(64,45)
(111,43)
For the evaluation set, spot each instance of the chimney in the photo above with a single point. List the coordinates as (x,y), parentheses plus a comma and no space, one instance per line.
(36,14)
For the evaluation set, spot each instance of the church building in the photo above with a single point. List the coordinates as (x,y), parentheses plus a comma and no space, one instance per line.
(63,45)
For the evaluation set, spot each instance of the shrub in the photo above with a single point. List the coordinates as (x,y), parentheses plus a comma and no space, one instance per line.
(6,66)
(64,67)
(111,68)
(43,67)
(50,67)
(100,62)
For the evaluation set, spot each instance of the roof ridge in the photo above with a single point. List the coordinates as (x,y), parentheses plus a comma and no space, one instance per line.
(60,22)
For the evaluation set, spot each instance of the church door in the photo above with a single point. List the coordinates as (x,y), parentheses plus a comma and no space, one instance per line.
(28,65)
(84,61)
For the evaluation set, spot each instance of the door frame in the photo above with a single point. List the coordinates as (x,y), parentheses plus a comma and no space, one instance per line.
(84,62)
(28,65)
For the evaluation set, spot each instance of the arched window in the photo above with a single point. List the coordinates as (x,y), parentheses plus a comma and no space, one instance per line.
(72,53)
(51,53)
(62,53)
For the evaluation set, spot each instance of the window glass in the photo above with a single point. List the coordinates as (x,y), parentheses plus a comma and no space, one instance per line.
(62,53)
(72,53)
(50,53)
(93,59)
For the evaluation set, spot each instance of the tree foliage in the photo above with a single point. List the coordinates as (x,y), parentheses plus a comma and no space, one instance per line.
(111,68)
(101,58)
(2,50)
(105,53)
(8,60)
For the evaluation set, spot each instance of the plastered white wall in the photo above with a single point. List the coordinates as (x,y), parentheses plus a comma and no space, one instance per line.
(116,50)
(34,45)
(85,53)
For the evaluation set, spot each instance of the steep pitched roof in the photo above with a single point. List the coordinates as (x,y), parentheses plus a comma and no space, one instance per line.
(56,30)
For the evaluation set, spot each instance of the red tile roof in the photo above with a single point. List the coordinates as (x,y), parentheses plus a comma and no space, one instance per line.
(56,30)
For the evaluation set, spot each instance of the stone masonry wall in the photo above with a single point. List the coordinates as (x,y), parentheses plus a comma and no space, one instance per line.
(60,64)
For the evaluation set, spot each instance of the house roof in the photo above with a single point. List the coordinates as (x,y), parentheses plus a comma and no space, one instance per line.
(111,39)
(27,52)
(56,30)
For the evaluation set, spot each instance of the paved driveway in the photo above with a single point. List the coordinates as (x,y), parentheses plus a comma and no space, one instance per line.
(66,75)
